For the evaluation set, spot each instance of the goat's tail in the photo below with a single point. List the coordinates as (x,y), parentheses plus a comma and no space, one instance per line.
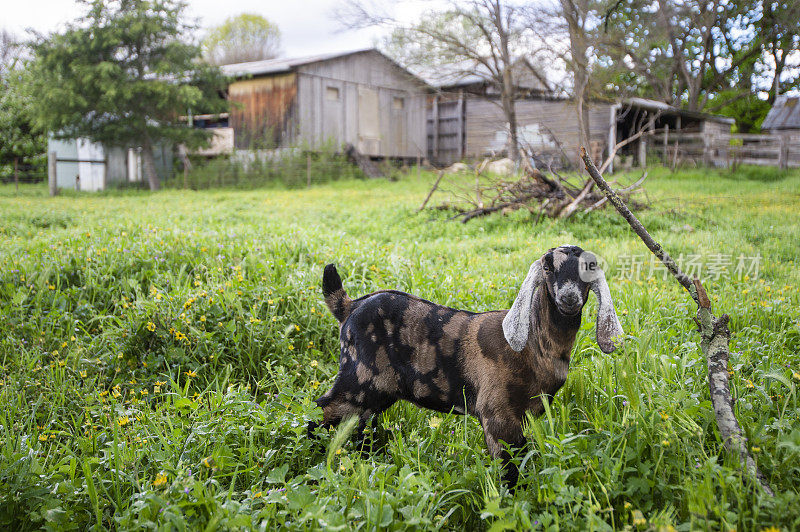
(335,297)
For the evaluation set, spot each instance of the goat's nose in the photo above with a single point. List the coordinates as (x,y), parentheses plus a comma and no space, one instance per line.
(570,299)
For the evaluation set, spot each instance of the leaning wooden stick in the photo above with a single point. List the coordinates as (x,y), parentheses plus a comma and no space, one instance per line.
(715,336)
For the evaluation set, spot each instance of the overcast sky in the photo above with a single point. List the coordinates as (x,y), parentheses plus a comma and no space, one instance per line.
(307,26)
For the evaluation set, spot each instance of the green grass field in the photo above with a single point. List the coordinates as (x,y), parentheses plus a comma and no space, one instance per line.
(160,355)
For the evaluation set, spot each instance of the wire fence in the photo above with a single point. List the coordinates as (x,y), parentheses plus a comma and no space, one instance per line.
(23,173)
(253,169)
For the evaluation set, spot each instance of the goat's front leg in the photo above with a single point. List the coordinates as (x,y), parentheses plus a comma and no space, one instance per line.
(499,431)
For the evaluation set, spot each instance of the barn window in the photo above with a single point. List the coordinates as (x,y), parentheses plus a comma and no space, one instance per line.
(398,103)
(332,93)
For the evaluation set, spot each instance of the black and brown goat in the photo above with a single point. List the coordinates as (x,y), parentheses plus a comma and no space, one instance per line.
(493,365)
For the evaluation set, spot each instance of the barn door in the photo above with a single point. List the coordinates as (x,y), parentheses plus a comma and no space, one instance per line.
(369,127)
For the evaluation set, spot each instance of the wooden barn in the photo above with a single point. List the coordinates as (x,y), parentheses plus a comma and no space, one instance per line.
(465,121)
(361,98)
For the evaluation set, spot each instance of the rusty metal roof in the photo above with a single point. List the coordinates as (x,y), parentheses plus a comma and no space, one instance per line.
(785,113)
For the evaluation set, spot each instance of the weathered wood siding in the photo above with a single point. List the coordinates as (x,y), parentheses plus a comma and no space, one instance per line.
(540,119)
(365,100)
(263,111)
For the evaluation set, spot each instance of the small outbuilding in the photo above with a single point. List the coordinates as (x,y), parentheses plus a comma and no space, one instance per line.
(784,117)
(80,164)
(361,98)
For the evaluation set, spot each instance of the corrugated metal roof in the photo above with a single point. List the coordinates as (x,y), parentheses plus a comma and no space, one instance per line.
(785,113)
(656,105)
(275,66)
(468,72)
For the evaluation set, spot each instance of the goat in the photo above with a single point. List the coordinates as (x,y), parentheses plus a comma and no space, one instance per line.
(493,365)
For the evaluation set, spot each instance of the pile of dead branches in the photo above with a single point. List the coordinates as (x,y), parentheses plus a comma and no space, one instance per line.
(471,193)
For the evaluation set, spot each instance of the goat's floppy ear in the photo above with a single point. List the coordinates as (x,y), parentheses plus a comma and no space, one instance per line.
(517,323)
(608,325)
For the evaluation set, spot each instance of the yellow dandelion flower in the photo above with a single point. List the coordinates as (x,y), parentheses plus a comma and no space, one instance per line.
(209,462)
(203,318)
(315,385)
(297,328)
(83,374)
(144,392)
(43,437)
(665,443)
(434,422)
(160,480)
(269,301)
(756,449)
(638,518)
(750,384)
(190,373)
(291,347)
(151,326)
(314,363)
(796,375)
(274,318)
(51,287)
(123,420)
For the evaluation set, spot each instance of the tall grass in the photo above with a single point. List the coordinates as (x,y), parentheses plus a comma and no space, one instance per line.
(291,168)
(161,352)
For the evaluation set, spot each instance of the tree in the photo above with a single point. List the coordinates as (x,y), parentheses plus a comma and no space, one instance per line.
(246,37)
(578,14)
(122,75)
(476,37)
(780,28)
(687,53)
(20,140)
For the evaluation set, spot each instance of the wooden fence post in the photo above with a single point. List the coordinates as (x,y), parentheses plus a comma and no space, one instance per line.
(51,173)
(783,152)
(435,154)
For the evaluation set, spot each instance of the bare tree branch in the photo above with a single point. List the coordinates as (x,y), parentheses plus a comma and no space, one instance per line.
(715,336)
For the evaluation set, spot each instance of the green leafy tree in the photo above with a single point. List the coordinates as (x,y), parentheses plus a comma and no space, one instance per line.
(124,75)
(20,140)
(246,37)
(780,30)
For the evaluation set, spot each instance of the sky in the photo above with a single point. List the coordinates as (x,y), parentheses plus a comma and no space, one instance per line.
(307,26)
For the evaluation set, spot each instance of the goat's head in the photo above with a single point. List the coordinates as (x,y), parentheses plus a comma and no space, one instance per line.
(567,273)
